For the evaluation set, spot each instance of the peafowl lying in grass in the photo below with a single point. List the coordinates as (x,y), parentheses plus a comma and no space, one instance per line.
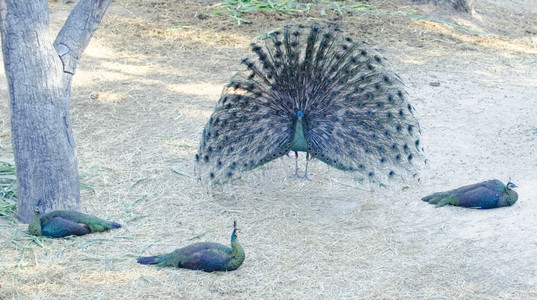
(486,194)
(62,223)
(205,256)
(316,92)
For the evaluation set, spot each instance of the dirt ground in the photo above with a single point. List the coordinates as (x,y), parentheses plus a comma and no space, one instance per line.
(149,81)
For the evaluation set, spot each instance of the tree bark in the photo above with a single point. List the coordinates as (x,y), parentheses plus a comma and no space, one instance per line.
(39,75)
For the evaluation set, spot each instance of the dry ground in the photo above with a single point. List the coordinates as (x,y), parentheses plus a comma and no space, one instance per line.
(148,83)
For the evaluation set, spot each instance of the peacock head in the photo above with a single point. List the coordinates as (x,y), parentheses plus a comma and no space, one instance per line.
(300,114)
(511,185)
(236,231)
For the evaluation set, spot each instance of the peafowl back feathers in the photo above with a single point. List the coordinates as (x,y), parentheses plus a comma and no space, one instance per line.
(319,93)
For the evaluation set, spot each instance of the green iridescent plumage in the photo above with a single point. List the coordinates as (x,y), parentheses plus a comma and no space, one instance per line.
(62,223)
(205,256)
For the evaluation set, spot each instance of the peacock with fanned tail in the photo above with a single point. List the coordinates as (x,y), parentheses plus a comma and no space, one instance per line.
(205,256)
(319,93)
(62,223)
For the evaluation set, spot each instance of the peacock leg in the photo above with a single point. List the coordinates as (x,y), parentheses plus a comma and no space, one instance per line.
(296,164)
(308,158)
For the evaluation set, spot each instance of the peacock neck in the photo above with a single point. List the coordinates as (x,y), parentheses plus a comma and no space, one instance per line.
(512,196)
(35,225)
(237,254)
(299,142)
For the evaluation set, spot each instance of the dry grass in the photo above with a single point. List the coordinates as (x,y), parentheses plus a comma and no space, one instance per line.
(149,81)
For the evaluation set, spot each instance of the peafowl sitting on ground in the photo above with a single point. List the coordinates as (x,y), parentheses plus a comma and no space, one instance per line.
(62,223)
(319,93)
(205,256)
(486,194)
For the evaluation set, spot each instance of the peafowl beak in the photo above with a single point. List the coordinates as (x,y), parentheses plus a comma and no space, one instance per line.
(511,185)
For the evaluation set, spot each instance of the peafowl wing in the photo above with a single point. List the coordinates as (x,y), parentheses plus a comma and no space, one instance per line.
(479,197)
(59,227)
(208,260)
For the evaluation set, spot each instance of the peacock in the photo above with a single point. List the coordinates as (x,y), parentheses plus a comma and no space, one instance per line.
(62,223)
(205,256)
(320,93)
(487,194)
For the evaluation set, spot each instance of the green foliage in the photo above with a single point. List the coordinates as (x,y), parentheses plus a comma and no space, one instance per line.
(8,189)
(236,9)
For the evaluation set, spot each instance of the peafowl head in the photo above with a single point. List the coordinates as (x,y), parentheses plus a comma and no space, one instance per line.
(511,185)
(35,224)
(236,232)
(300,114)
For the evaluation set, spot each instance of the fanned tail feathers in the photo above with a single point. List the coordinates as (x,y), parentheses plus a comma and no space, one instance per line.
(355,113)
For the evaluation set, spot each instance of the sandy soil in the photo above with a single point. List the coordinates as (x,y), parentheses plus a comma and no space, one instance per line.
(148,83)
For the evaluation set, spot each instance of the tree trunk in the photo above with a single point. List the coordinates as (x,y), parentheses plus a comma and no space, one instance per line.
(39,77)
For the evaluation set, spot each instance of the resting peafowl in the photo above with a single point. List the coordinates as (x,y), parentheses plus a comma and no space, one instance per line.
(319,93)
(486,194)
(205,256)
(62,223)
